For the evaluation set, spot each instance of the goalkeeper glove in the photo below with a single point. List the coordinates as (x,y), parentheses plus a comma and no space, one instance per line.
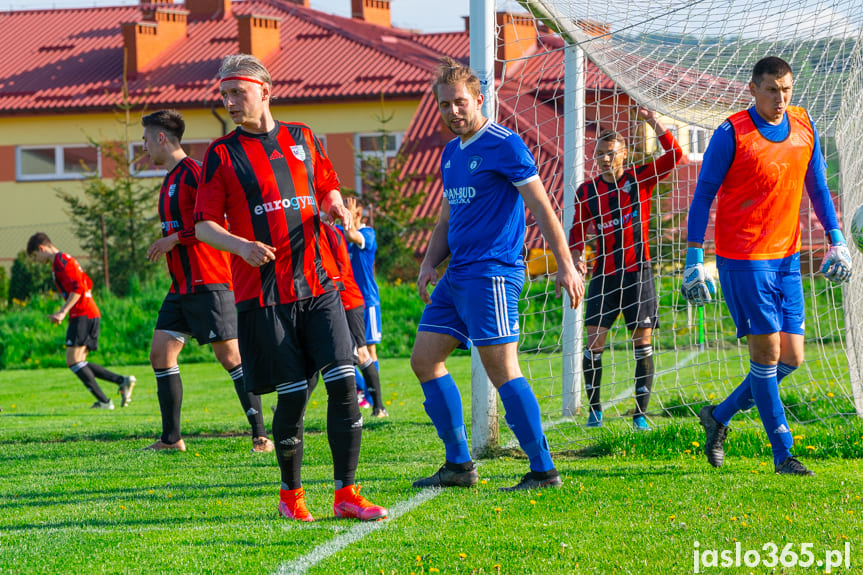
(836,265)
(697,286)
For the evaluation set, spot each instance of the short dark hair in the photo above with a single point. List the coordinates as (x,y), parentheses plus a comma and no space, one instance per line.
(169,121)
(770,66)
(611,136)
(36,240)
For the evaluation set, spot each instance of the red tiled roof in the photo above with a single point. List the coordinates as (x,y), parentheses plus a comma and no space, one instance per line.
(80,65)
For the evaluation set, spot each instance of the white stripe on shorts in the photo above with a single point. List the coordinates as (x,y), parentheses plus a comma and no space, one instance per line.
(501,313)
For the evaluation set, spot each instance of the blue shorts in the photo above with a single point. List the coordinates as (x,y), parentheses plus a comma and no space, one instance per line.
(479,311)
(762,301)
(372,317)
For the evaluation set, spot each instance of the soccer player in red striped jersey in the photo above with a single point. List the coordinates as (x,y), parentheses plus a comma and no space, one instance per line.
(272,179)
(617,204)
(352,299)
(200,303)
(82,335)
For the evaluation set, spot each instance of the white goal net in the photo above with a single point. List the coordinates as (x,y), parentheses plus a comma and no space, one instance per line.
(570,68)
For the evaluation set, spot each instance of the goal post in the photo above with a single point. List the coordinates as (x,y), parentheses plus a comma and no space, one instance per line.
(577,67)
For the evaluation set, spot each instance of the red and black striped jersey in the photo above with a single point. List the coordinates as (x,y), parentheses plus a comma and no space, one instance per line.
(194,266)
(70,278)
(351,295)
(269,186)
(620,212)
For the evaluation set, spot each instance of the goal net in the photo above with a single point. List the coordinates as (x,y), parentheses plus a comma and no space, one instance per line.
(568,69)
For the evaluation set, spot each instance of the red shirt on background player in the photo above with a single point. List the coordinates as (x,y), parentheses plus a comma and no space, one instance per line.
(82,335)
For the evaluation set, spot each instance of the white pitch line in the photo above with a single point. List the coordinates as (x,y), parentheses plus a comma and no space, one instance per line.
(302,564)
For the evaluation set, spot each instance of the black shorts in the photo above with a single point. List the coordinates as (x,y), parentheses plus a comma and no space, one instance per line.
(290,342)
(83,331)
(357,325)
(630,293)
(208,316)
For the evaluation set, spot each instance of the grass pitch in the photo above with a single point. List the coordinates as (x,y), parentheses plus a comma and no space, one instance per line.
(77,495)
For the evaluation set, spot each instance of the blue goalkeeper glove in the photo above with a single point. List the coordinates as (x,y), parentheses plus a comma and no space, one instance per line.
(697,286)
(836,265)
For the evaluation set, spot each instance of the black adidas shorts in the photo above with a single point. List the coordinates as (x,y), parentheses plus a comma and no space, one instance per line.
(290,342)
(357,325)
(631,293)
(83,331)
(208,316)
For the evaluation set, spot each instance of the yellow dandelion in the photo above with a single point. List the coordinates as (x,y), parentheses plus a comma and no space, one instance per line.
(533,501)
(388,402)
(434,570)
(497,509)
(763,463)
(123,507)
(734,519)
(850,512)
(687,451)
(810,447)
(206,410)
(695,444)
(314,404)
(197,455)
(150,491)
(831,394)
(462,555)
(672,516)
(484,481)
(743,524)
(798,437)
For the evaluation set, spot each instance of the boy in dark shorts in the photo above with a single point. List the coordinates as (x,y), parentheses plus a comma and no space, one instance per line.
(82,335)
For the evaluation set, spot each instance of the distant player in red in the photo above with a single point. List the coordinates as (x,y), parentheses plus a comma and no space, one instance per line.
(82,335)
(617,204)
(200,303)
(272,180)
(352,299)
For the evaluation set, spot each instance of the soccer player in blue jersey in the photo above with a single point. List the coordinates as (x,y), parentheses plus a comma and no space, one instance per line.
(758,248)
(362,248)
(489,176)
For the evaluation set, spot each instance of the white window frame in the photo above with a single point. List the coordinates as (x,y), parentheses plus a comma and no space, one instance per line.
(59,163)
(158,173)
(692,133)
(359,155)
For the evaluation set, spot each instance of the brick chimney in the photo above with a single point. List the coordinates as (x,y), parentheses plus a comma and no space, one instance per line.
(516,35)
(258,35)
(372,11)
(208,9)
(158,29)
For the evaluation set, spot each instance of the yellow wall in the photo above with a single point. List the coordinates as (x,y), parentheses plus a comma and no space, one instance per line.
(33,206)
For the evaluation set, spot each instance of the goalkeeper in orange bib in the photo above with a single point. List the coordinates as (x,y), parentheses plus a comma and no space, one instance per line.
(757,163)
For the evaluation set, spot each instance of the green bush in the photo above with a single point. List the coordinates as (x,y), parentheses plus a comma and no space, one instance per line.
(28,278)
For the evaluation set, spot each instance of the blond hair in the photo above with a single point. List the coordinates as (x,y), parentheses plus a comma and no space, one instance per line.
(244,65)
(450,73)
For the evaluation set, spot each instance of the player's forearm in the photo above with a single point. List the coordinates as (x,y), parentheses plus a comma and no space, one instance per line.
(438,247)
(218,237)
(70,302)
(699,211)
(354,236)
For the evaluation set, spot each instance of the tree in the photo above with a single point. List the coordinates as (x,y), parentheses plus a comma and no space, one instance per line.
(115,218)
(28,278)
(386,185)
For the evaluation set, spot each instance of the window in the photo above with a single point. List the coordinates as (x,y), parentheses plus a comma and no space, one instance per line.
(56,162)
(698,138)
(372,151)
(144,168)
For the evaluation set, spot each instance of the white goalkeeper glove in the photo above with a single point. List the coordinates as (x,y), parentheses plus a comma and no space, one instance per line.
(697,286)
(836,265)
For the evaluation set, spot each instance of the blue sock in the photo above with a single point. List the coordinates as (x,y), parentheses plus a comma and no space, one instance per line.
(741,398)
(524,419)
(443,406)
(765,390)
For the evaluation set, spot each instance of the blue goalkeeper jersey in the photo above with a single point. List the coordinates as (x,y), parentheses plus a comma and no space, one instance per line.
(486,222)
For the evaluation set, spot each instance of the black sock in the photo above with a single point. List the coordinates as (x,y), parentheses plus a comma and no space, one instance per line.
(169,388)
(373,384)
(104,374)
(82,370)
(288,432)
(344,422)
(643,377)
(592,368)
(251,403)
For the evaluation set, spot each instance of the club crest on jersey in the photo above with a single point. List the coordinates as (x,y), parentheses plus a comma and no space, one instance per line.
(172,190)
(299,153)
(446,166)
(474,163)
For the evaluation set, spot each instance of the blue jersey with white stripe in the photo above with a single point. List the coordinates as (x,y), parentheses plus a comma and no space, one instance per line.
(486,223)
